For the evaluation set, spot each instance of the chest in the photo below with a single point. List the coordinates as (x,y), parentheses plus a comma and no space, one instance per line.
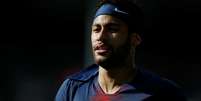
(89,93)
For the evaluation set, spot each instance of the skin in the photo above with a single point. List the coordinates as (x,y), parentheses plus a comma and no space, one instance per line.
(113,49)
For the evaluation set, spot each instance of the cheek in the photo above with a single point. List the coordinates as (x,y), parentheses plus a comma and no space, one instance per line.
(93,40)
(93,36)
(119,40)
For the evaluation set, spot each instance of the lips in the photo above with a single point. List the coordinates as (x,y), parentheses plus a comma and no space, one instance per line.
(102,49)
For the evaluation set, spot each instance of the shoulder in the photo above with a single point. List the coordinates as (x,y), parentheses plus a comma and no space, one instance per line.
(159,86)
(83,76)
(72,82)
(155,80)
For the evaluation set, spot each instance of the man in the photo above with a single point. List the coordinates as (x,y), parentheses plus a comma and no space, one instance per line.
(115,77)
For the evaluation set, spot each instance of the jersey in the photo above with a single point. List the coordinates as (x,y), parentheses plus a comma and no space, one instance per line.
(146,86)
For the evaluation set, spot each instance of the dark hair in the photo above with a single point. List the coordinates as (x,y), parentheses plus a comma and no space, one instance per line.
(136,22)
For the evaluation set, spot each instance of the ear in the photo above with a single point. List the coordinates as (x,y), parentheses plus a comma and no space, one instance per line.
(135,39)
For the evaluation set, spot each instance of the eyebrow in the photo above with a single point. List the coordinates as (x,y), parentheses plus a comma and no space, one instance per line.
(114,23)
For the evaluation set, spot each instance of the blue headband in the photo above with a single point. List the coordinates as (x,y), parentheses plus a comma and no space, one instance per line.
(114,10)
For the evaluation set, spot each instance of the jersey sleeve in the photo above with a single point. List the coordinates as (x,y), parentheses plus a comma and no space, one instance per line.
(62,92)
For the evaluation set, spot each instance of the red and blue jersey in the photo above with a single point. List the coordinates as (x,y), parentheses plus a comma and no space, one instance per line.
(146,86)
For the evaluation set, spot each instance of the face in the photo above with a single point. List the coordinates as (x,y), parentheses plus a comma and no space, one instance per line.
(110,42)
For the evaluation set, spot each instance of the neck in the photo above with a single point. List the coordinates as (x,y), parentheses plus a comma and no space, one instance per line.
(111,79)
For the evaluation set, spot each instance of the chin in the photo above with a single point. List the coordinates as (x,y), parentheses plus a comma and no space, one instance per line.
(104,62)
(100,59)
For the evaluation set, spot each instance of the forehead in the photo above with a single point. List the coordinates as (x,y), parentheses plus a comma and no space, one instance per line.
(107,19)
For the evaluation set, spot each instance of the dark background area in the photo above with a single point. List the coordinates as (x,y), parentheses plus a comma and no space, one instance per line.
(41,41)
(171,44)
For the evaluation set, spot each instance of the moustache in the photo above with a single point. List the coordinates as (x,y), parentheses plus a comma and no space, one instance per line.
(102,47)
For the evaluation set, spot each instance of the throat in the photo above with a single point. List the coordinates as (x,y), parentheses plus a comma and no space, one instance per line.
(108,85)
(111,81)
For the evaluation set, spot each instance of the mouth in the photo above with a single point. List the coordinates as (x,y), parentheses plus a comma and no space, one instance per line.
(102,50)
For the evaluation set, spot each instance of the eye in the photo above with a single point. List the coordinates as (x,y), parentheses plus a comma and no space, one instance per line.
(113,29)
(96,28)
